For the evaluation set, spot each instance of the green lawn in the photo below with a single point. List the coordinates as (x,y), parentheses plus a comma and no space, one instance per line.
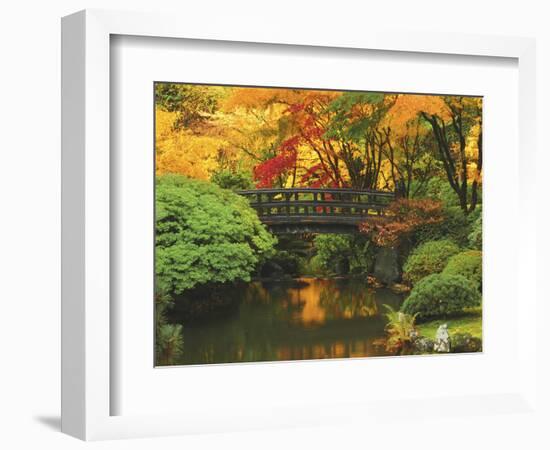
(470,322)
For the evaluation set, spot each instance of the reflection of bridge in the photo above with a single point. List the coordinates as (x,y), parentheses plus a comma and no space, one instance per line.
(309,210)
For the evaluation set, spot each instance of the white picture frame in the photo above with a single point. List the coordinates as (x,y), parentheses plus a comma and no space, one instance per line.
(87,385)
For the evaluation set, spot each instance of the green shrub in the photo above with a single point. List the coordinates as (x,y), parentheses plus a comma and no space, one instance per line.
(400,329)
(455,226)
(290,257)
(233,181)
(465,343)
(475,238)
(428,258)
(441,295)
(289,262)
(205,234)
(439,188)
(313,267)
(344,253)
(468,264)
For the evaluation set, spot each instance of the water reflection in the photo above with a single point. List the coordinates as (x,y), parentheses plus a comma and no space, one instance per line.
(301,319)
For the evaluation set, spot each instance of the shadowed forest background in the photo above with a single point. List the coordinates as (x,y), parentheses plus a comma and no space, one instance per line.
(230,289)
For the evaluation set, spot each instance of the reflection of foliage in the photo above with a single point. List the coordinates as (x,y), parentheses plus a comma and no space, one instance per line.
(400,329)
(163,303)
(405,217)
(468,264)
(441,295)
(169,344)
(205,234)
(354,302)
(428,258)
(279,295)
(206,301)
(168,337)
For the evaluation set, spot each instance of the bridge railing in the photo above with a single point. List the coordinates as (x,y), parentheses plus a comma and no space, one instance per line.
(314,202)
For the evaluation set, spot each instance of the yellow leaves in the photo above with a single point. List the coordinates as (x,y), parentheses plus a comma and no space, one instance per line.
(472,104)
(234,139)
(471,142)
(259,98)
(408,107)
(472,152)
(248,126)
(189,155)
(164,121)
(263,98)
(183,152)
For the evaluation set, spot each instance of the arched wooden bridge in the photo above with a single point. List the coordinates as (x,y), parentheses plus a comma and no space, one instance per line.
(311,210)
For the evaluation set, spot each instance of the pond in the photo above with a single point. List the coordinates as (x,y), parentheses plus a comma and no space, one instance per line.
(306,318)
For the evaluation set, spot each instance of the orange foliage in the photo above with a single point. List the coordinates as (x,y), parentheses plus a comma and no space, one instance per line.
(249,128)
(251,98)
(403,217)
(407,108)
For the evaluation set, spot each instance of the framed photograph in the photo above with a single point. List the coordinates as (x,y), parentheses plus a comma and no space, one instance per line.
(269,229)
(296,224)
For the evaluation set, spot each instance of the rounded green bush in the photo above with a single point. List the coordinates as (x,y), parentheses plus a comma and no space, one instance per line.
(441,295)
(233,181)
(205,234)
(475,238)
(468,264)
(428,258)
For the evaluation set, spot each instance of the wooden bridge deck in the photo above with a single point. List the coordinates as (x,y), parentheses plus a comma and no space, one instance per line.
(319,210)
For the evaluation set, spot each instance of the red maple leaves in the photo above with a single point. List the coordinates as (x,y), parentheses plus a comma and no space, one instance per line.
(274,169)
(268,171)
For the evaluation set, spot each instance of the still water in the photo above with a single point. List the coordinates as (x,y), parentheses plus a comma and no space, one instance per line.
(308,318)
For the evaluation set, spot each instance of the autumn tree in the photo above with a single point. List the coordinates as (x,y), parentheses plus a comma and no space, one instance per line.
(410,150)
(358,133)
(256,124)
(300,137)
(182,151)
(335,142)
(193,104)
(459,142)
(403,218)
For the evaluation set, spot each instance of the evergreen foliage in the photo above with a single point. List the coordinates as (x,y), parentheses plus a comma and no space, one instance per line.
(468,264)
(205,234)
(475,238)
(441,295)
(343,253)
(428,258)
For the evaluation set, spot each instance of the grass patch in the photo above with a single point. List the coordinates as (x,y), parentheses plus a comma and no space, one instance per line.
(469,322)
